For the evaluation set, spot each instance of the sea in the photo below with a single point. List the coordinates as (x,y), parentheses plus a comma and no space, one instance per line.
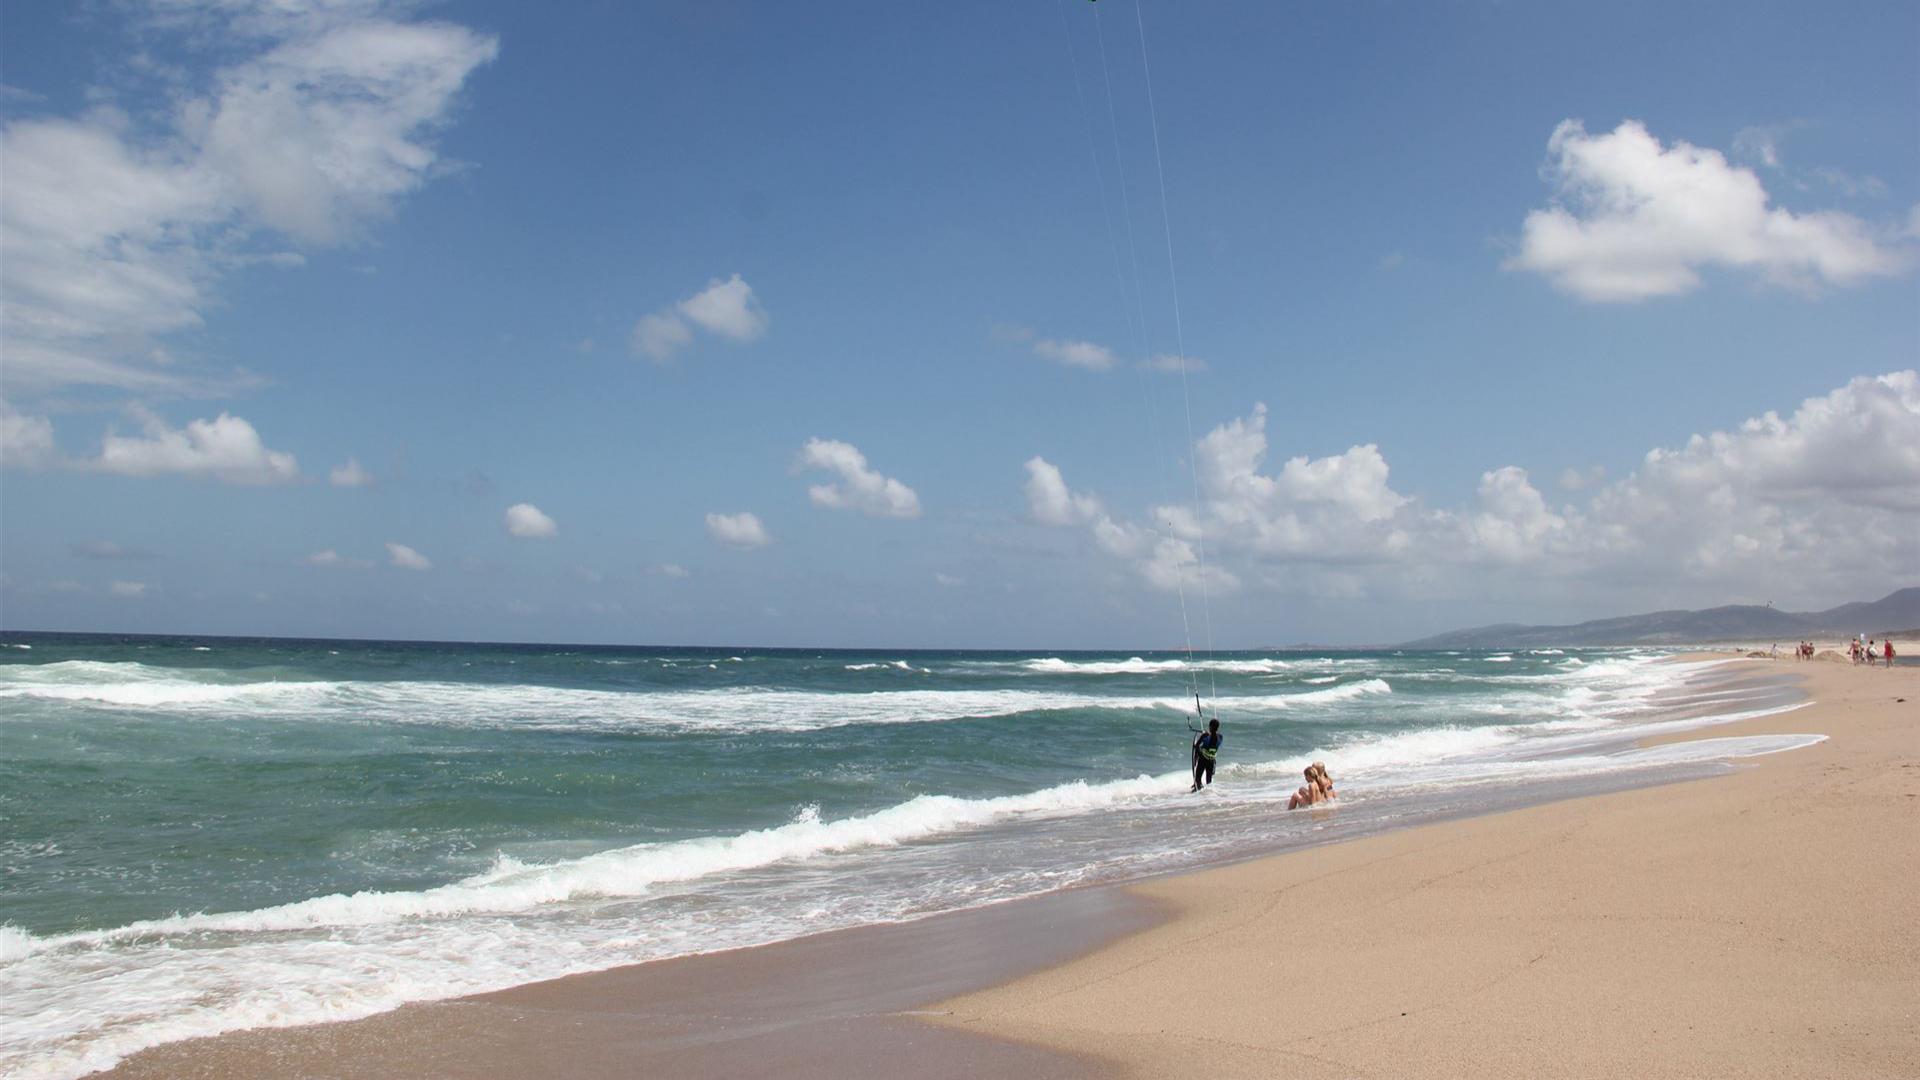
(204,834)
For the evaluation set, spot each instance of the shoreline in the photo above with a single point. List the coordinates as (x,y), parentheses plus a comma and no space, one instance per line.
(1670,931)
(762,1011)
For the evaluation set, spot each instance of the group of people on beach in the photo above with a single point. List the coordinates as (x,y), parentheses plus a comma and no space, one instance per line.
(1206,753)
(1866,653)
(1859,651)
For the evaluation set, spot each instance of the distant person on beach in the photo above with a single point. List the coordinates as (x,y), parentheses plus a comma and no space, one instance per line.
(1206,748)
(1888,646)
(1318,788)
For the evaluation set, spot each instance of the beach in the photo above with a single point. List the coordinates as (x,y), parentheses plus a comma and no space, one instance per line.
(1757,924)
(1754,923)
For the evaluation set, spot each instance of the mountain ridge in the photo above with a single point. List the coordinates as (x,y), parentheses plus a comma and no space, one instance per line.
(1744,622)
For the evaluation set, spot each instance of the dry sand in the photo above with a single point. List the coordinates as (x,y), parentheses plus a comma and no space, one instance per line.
(1762,924)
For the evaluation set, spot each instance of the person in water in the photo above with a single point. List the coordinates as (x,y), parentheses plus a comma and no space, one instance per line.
(1206,747)
(1318,788)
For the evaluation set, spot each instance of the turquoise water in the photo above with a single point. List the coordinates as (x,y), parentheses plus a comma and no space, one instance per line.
(203,834)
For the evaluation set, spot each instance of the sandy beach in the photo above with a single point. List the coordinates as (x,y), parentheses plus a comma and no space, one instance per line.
(1758,924)
(1752,924)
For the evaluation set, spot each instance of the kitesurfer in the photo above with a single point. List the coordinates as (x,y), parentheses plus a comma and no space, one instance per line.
(1206,747)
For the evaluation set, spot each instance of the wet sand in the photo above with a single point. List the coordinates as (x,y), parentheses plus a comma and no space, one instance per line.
(1759,923)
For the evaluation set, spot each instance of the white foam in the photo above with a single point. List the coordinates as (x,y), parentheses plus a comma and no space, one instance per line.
(512,887)
(745,709)
(1053,665)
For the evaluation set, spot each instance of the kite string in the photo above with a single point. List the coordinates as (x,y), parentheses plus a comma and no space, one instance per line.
(1141,334)
(1180,345)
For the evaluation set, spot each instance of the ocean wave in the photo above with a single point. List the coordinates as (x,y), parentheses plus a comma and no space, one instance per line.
(897,665)
(134,686)
(511,886)
(1053,665)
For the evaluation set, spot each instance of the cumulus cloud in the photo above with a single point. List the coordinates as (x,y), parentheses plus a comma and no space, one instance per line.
(26,442)
(525,520)
(349,475)
(132,590)
(742,530)
(1827,499)
(860,487)
(1173,364)
(116,232)
(1634,219)
(1572,479)
(1164,561)
(1080,354)
(660,335)
(331,558)
(406,558)
(727,309)
(673,570)
(1049,499)
(226,448)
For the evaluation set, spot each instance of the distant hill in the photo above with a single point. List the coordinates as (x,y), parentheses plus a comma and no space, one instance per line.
(1738,622)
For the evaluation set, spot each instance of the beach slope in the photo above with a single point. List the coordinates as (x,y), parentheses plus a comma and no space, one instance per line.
(1758,924)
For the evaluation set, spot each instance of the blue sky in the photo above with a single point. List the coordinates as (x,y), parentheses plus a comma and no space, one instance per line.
(1483,269)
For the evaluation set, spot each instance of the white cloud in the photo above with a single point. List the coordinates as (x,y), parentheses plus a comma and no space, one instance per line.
(331,558)
(727,308)
(660,335)
(1514,522)
(1633,219)
(1761,143)
(948,580)
(1572,479)
(1049,499)
(1858,187)
(26,442)
(1825,501)
(406,558)
(861,487)
(349,475)
(115,233)
(1080,354)
(742,530)
(1165,562)
(226,447)
(525,520)
(132,590)
(1173,364)
(673,570)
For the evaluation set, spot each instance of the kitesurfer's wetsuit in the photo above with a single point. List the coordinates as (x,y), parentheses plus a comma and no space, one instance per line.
(1206,747)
